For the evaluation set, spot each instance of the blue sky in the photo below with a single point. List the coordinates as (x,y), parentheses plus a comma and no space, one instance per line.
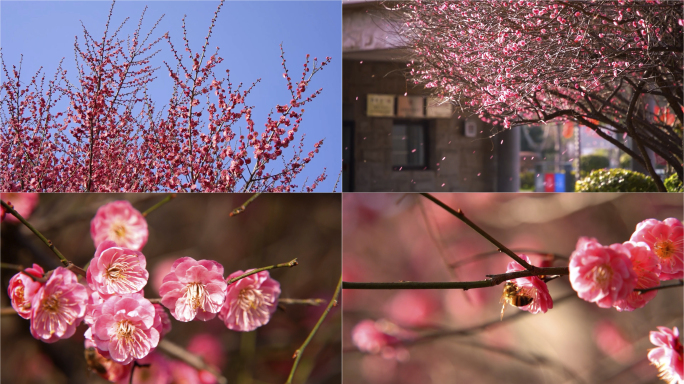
(248,33)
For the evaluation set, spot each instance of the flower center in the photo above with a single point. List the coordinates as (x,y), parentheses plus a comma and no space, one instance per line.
(603,274)
(119,230)
(251,298)
(196,294)
(51,304)
(125,329)
(664,249)
(119,272)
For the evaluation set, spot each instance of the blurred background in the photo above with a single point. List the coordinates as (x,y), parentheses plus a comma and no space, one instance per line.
(394,237)
(273,229)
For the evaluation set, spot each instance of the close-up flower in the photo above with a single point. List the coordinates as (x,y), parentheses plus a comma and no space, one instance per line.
(665,239)
(194,289)
(23,203)
(22,288)
(668,356)
(250,301)
(116,270)
(125,328)
(600,274)
(647,268)
(533,287)
(58,307)
(119,222)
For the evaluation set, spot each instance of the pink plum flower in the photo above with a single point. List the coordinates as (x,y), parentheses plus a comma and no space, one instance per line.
(368,338)
(119,222)
(115,270)
(250,301)
(194,289)
(58,307)
(647,268)
(107,368)
(665,239)
(162,323)
(22,288)
(125,328)
(667,356)
(23,203)
(209,348)
(601,275)
(532,286)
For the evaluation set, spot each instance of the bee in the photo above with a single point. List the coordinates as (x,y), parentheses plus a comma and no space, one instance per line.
(514,295)
(94,361)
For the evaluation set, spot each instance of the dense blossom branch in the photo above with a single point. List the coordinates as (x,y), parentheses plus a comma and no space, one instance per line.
(524,62)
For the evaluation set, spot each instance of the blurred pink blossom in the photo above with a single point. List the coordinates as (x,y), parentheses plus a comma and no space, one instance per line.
(533,287)
(250,301)
(119,222)
(601,275)
(183,373)
(23,203)
(209,348)
(107,368)
(610,341)
(667,356)
(58,307)
(22,288)
(116,270)
(367,338)
(158,371)
(162,322)
(413,308)
(647,268)
(194,289)
(125,328)
(665,239)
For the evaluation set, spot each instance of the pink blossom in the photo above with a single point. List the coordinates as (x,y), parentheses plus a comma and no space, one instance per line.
(125,328)
(58,307)
(116,270)
(194,289)
(119,222)
(183,373)
(367,338)
(22,288)
(647,268)
(104,366)
(250,302)
(532,286)
(162,322)
(665,239)
(667,356)
(207,347)
(610,340)
(23,203)
(158,372)
(423,306)
(601,275)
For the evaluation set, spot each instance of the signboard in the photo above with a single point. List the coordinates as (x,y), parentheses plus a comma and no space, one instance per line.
(410,106)
(470,128)
(380,105)
(549,181)
(437,110)
(560,182)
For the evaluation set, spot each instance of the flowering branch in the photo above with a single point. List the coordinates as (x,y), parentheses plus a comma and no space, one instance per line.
(678,283)
(241,208)
(159,204)
(193,360)
(502,248)
(289,264)
(298,353)
(68,264)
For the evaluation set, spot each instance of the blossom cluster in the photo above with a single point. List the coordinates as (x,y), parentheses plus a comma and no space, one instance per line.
(124,326)
(609,275)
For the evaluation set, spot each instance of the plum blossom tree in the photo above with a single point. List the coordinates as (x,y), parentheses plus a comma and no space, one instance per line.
(104,132)
(614,66)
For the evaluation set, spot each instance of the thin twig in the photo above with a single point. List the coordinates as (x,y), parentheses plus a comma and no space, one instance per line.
(479,256)
(493,280)
(159,204)
(502,248)
(299,352)
(194,361)
(314,302)
(7,311)
(678,283)
(241,208)
(289,264)
(16,267)
(68,264)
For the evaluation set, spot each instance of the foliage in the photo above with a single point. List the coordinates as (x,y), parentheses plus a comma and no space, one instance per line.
(625,161)
(616,180)
(673,183)
(112,137)
(602,64)
(527,181)
(589,163)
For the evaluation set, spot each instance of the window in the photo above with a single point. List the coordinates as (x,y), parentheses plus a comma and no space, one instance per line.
(409,145)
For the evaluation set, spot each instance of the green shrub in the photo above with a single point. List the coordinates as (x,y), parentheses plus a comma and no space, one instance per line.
(527,181)
(673,184)
(616,180)
(589,163)
(625,161)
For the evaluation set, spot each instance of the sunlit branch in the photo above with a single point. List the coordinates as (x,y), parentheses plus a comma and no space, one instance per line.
(159,204)
(242,208)
(289,264)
